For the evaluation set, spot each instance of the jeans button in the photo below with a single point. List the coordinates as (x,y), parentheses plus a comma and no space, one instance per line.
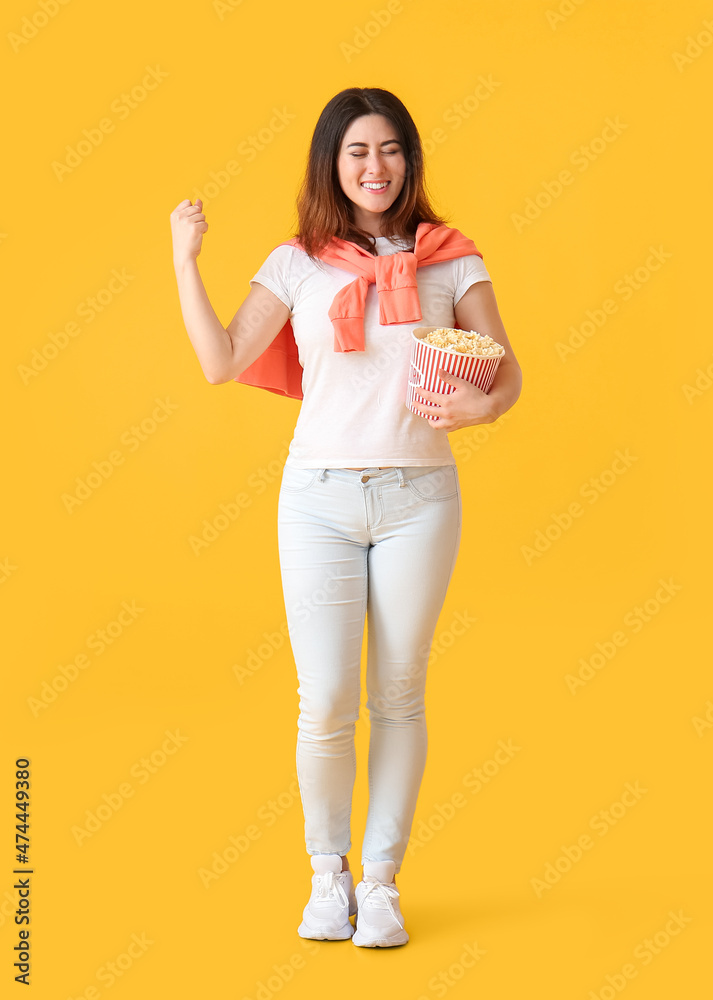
(365,479)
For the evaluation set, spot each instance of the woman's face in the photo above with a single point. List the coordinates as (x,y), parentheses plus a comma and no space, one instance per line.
(371,152)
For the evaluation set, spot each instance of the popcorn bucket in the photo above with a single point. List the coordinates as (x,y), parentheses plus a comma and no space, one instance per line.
(427,359)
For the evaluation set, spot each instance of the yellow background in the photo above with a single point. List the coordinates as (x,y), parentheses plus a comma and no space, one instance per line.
(171,669)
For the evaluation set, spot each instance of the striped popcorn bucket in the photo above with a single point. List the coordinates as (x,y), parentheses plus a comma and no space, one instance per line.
(427,359)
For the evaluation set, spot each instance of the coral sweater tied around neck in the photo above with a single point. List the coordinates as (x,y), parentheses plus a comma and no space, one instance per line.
(278,368)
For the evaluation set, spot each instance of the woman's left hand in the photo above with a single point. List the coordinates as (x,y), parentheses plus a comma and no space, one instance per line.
(466,405)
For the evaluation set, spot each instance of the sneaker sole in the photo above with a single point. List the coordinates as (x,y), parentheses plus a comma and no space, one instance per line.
(341,934)
(361,941)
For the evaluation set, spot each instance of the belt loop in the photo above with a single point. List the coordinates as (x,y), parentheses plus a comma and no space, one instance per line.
(402,481)
(321,475)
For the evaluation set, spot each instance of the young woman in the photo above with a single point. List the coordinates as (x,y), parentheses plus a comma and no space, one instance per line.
(369,509)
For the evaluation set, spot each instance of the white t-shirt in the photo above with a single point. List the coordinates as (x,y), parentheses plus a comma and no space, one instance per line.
(354,412)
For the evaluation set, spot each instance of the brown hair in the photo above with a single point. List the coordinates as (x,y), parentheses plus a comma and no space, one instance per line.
(323,210)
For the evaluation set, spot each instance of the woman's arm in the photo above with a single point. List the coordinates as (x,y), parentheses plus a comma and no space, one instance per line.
(478,310)
(467,405)
(223,354)
(211,341)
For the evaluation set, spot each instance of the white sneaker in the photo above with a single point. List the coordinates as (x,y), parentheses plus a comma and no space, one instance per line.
(332,902)
(379,922)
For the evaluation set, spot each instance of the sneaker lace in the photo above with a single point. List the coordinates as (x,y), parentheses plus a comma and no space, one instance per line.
(330,888)
(380,895)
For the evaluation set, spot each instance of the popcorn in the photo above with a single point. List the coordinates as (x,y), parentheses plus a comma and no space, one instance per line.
(464,353)
(464,342)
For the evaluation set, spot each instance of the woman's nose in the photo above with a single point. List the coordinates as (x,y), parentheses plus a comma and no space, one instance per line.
(375,163)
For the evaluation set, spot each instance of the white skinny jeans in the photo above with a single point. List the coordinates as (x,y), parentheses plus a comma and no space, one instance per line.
(381,544)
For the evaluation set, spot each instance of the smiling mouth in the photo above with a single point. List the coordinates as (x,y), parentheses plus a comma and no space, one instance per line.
(376,186)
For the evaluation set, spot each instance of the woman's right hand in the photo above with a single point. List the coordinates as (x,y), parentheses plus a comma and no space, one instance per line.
(187,227)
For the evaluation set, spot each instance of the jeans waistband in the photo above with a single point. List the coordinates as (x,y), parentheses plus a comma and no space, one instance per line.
(396,474)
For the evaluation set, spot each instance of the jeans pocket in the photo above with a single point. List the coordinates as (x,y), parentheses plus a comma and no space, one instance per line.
(297,480)
(439,484)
